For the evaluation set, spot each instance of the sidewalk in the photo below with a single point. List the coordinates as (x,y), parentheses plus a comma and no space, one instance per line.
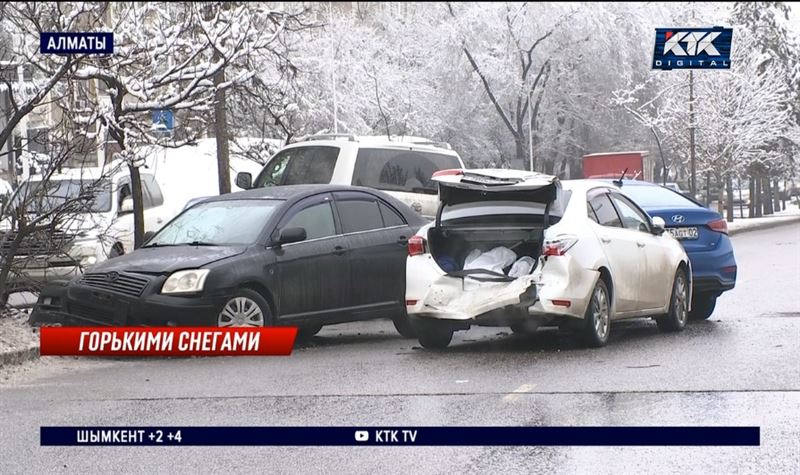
(790,215)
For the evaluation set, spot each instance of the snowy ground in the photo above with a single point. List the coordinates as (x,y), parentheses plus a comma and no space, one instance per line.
(18,340)
(790,214)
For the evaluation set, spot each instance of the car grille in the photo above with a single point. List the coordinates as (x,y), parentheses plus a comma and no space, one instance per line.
(126,284)
(37,244)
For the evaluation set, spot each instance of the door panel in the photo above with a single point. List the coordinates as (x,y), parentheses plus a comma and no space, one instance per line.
(624,256)
(313,274)
(656,282)
(378,252)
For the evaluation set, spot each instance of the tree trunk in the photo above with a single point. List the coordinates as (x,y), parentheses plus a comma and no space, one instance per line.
(138,207)
(776,196)
(520,151)
(759,208)
(720,194)
(767,196)
(751,206)
(729,187)
(221,133)
(708,189)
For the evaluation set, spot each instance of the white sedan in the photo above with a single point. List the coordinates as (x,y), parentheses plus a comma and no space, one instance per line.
(521,249)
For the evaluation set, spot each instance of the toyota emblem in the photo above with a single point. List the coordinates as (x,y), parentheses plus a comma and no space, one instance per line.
(112,276)
(678,218)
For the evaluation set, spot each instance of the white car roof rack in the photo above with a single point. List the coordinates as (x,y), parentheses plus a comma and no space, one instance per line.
(399,139)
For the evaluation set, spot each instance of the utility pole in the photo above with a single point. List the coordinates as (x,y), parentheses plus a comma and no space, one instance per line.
(333,75)
(530,129)
(691,134)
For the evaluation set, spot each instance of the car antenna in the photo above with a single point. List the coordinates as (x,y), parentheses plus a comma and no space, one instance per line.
(619,182)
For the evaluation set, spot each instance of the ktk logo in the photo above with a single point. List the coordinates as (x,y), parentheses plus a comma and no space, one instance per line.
(692,48)
(696,42)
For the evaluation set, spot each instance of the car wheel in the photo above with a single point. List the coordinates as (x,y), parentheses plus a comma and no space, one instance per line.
(702,306)
(597,320)
(305,332)
(403,326)
(675,320)
(246,308)
(433,335)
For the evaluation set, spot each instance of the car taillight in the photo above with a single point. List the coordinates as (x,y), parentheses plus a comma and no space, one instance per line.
(558,246)
(719,225)
(451,171)
(416,245)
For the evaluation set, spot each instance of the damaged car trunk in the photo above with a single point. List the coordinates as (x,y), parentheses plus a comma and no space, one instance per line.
(487,238)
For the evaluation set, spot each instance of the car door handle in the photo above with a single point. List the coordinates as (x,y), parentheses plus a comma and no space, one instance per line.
(640,244)
(402,240)
(605,240)
(339,250)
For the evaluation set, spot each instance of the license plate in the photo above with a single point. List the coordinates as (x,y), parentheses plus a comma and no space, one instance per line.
(683,233)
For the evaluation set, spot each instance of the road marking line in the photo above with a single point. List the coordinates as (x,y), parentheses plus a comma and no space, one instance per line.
(515,394)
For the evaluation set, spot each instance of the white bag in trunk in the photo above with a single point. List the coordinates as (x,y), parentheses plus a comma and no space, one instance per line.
(495,260)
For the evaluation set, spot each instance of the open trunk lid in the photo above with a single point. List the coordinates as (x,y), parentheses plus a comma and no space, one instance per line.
(465,294)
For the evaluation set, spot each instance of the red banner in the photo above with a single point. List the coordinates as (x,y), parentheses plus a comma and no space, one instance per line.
(166,341)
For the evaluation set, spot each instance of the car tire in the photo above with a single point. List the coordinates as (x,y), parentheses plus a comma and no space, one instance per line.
(597,320)
(675,320)
(238,310)
(403,326)
(702,306)
(306,332)
(433,335)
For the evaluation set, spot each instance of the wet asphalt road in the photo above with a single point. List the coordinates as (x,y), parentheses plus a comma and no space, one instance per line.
(742,367)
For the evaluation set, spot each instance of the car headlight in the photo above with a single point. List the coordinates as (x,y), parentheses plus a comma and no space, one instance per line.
(185,281)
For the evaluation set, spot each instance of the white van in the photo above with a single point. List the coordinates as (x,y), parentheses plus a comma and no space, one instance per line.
(401,166)
(103,229)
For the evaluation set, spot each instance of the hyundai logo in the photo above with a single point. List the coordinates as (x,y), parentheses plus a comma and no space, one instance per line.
(678,218)
(112,276)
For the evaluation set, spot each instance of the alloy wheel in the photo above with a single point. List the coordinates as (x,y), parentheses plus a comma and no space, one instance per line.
(680,300)
(241,312)
(600,313)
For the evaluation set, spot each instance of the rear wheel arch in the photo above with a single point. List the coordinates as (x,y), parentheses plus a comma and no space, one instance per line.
(605,275)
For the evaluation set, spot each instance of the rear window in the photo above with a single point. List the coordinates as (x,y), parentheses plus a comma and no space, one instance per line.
(400,170)
(299,166)
(655,196)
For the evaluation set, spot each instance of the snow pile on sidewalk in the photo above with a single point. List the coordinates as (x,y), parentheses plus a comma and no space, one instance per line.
(789,215)
(18,340)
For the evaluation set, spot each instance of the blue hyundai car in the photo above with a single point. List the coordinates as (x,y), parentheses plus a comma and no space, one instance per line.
(704,235)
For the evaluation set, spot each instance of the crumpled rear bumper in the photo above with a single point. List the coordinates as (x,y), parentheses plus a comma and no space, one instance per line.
(558,278)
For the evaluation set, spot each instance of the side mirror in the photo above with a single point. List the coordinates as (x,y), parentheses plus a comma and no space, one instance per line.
(659,225)
(289,235)
(244,180)
(126,206)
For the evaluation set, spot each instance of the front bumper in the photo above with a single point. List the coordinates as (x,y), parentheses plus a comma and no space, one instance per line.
(76,304)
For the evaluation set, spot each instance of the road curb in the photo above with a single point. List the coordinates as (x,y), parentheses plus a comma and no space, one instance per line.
(766,225)
(15,357)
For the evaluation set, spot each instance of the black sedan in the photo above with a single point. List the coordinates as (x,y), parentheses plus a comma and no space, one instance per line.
(305,255)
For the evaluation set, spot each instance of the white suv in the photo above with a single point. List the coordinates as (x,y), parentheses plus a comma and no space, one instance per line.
(401,167)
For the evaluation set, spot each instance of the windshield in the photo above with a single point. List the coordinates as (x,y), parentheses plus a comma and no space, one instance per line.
(657,196)
(79,195)
(217,223)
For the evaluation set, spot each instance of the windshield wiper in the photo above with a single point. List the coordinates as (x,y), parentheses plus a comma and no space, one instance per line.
(158,244)
(200,243)
(193,243)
